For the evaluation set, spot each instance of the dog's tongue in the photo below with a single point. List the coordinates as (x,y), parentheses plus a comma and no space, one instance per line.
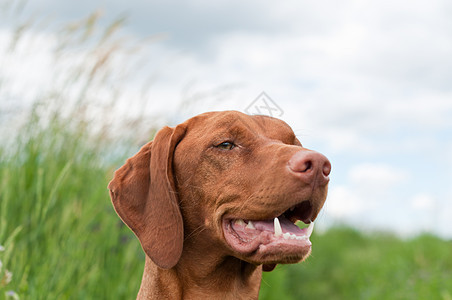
(286,226)
(268,240)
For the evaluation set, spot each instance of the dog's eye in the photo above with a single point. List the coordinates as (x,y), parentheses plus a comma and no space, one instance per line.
(226,146)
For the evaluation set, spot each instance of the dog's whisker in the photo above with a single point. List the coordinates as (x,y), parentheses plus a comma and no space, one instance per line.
(195,232)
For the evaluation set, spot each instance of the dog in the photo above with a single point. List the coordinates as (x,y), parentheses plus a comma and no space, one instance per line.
(213,202)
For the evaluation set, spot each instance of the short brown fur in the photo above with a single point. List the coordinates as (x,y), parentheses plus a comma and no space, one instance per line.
(176,191)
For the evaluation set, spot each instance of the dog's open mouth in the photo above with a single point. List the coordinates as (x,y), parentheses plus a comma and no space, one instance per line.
(276,240)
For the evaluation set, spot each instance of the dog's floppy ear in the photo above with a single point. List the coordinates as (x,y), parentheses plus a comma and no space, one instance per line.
(144,196)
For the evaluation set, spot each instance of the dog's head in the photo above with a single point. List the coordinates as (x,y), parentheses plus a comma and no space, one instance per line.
(225,183)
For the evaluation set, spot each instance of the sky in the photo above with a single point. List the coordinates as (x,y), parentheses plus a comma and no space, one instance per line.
(367,83)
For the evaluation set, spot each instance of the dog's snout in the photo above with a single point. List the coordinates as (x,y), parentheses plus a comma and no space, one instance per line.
(309,166)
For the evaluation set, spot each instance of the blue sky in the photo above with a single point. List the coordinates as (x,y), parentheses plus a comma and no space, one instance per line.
(369,84)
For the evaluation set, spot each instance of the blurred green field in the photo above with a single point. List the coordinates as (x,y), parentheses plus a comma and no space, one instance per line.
(347,264)
(62,239)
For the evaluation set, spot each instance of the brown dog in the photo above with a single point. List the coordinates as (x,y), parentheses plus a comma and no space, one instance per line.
(213,201)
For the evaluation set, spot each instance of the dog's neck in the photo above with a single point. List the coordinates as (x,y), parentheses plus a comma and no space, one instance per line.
(225,278)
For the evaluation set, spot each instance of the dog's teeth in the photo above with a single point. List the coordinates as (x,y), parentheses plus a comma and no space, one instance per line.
(278,230)
(240,222)
(310,229)
(250,225)
(286,235)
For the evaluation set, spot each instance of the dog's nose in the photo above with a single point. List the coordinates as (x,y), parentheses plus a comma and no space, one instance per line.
(311,167)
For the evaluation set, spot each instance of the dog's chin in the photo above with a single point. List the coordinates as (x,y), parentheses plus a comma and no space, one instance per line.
(258,243)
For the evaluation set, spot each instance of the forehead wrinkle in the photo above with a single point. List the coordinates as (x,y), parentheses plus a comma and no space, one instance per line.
(279,130)
(236,126)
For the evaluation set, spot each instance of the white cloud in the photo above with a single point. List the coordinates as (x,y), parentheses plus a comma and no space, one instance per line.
(376,176)
(423,202)
(367,190)
(28,68)
(344,202)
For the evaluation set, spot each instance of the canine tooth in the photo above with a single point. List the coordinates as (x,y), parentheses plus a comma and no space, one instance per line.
(250,225)
(240,222)
(310,229)
(278,230)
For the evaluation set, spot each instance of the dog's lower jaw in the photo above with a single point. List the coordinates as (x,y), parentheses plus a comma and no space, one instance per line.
(236,280)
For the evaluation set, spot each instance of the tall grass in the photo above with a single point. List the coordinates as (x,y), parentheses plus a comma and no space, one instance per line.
(62,237)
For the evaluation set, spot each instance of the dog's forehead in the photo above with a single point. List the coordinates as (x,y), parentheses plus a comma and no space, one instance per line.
(234,121)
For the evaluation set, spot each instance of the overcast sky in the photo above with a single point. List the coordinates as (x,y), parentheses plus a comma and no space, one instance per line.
(369,84)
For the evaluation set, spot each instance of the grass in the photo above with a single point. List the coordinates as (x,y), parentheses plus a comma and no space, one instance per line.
(62,238)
